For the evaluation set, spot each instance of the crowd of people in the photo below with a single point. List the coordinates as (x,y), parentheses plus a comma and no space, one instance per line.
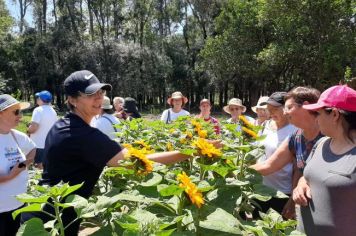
(309,149)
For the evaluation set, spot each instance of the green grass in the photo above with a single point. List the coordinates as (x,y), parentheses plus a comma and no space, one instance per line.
(26,119)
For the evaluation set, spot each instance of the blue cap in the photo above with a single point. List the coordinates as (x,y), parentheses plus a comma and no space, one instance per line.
(44,95)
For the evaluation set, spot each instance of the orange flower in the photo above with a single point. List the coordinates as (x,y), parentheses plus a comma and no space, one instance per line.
(195,196)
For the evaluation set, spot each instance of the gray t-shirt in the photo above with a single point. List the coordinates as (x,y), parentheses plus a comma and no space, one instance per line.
(332,180)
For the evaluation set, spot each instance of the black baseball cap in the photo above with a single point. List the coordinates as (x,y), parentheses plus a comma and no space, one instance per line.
(83,81)
(277,99)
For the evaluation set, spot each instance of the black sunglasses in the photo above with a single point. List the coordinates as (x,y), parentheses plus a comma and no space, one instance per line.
(17,112)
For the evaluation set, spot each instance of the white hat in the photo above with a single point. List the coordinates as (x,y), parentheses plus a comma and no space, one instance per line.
(236,102)
(106,103)
(177,95)
(262,103)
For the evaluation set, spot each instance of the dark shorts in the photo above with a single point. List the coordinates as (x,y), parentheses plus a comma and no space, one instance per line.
(8,225)
(39,155)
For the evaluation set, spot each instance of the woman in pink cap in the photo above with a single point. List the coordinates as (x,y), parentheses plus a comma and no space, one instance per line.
(327,191)
(177,102)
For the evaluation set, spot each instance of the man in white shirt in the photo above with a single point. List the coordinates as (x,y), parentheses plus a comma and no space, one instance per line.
(43,118)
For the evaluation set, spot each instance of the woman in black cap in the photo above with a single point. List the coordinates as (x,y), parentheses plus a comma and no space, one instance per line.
(77,153)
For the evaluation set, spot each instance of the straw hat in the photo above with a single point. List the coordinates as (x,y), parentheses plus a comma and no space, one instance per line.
(236,102)
(177,95)
(106,103)
(262,103)
(7,101)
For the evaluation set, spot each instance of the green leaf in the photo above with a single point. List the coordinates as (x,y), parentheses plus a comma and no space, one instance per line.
(222,221)
(165,232)
(188,152)
(27,198)
(32,227)
(70,189)
(30,208)
(154,180)
(169,190)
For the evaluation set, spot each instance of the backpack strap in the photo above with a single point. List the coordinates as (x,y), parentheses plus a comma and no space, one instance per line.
(112,123)
(168,117)
(13,135)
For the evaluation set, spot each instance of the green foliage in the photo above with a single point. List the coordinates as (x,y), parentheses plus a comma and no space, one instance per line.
(204,195)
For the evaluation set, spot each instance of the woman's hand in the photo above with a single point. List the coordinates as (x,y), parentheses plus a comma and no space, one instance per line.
(216,143)
(301,194)
(16,170)
(289,209)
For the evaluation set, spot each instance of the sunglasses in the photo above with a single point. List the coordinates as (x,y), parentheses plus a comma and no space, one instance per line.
(99,93)
(17,112)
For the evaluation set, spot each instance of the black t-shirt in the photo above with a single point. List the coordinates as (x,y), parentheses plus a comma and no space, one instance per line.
(75,152)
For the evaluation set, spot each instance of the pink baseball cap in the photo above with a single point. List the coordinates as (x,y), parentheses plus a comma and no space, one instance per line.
(339,96)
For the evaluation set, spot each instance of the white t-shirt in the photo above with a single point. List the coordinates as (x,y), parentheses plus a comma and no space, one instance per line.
(282,179)
(173,115)
(45,116)
(10,155)
(105,124)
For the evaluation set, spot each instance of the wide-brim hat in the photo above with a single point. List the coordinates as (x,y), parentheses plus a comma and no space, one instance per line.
(177,95)
(236,102)
(7,101)
(261,103)
(106,103)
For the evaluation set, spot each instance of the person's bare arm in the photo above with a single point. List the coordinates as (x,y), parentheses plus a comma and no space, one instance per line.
(30,157)
(32,128)
(13,173)
(160,157)
(281,157)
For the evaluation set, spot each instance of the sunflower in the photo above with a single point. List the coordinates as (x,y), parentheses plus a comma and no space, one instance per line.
(144,164)
(206,149)
(245,121)
(196,124)
(251,133)
(169,146)
(202,133)
(195,196)
(188,134)
(142,144)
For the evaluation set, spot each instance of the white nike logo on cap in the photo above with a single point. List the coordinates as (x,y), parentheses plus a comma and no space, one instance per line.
(87,77)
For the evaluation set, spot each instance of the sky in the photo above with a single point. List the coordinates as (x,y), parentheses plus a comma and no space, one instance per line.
(13,7)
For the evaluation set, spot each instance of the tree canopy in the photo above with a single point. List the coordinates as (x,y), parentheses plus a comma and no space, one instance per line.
(205,48)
